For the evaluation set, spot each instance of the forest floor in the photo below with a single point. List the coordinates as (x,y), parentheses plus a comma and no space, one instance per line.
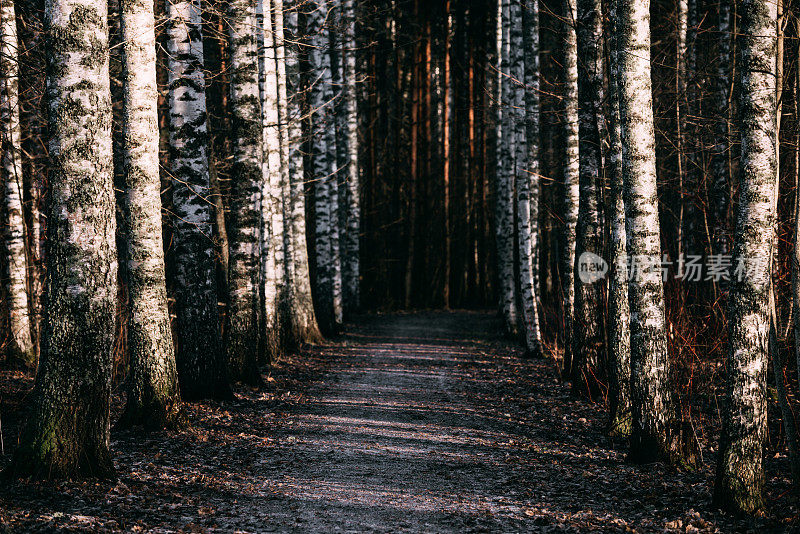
(425,422)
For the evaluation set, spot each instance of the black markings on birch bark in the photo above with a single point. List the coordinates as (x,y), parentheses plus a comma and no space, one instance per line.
(243,333)
(657,433)
(740,470)
(524,67)
(571,177)
(588,347)
(200,356)
(504,203)
(303,325)
(618,326)
(21,349)
(153,397)
(350,204)
(323,157)
(67,433)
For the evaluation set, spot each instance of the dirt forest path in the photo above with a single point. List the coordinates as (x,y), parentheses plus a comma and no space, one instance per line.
(426,422)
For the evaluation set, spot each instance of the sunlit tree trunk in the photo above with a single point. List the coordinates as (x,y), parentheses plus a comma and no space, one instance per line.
(67,433)
(740,470)
(21,349)
(618,326)
(588,334)
(504,194)
(200,357)
(656,432)
(272,231)
(286,313)
(243,333)
(303,325)
(153,397)
(571,172)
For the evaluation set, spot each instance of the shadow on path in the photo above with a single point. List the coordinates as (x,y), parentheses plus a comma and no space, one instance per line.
(422,422)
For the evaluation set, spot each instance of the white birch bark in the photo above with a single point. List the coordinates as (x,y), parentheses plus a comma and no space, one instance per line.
(286,307)
(304,322)
(571,171)
(200,358)
(618,327)
(67,433)
(740,470)
(656,433)
(243,333)
(524,56)
(21,349)
(504,193)
(323,141)
(153,397)
(273,264)
(588,336)
(351,209)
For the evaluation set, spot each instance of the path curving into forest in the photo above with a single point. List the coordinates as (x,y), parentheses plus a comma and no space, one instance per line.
(426,422)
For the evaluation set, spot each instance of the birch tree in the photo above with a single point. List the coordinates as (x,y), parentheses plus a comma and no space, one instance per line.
(681,110)
(243,333)
(351,207)
(740,470)
(21,349)
(618,327)
(504,199)
(67,432)
(304,328)
(571,172)
(323,141)
(656,433)
(588,335)
(273,258)
(153,397)
(200,357)
(286,309)
(524,67)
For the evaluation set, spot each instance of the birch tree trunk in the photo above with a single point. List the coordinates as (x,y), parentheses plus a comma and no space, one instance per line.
(286,310)
(352,207)
(153,397)
(504,194)
(571,178)
(656,433)
(680,115)
(272,232)
(67,433)
(200,357)
(243,333)
(21,349)
(740,470)
(323,142)
(618,327)
(796,229)
(304,328)
(524,67)
(588,333)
